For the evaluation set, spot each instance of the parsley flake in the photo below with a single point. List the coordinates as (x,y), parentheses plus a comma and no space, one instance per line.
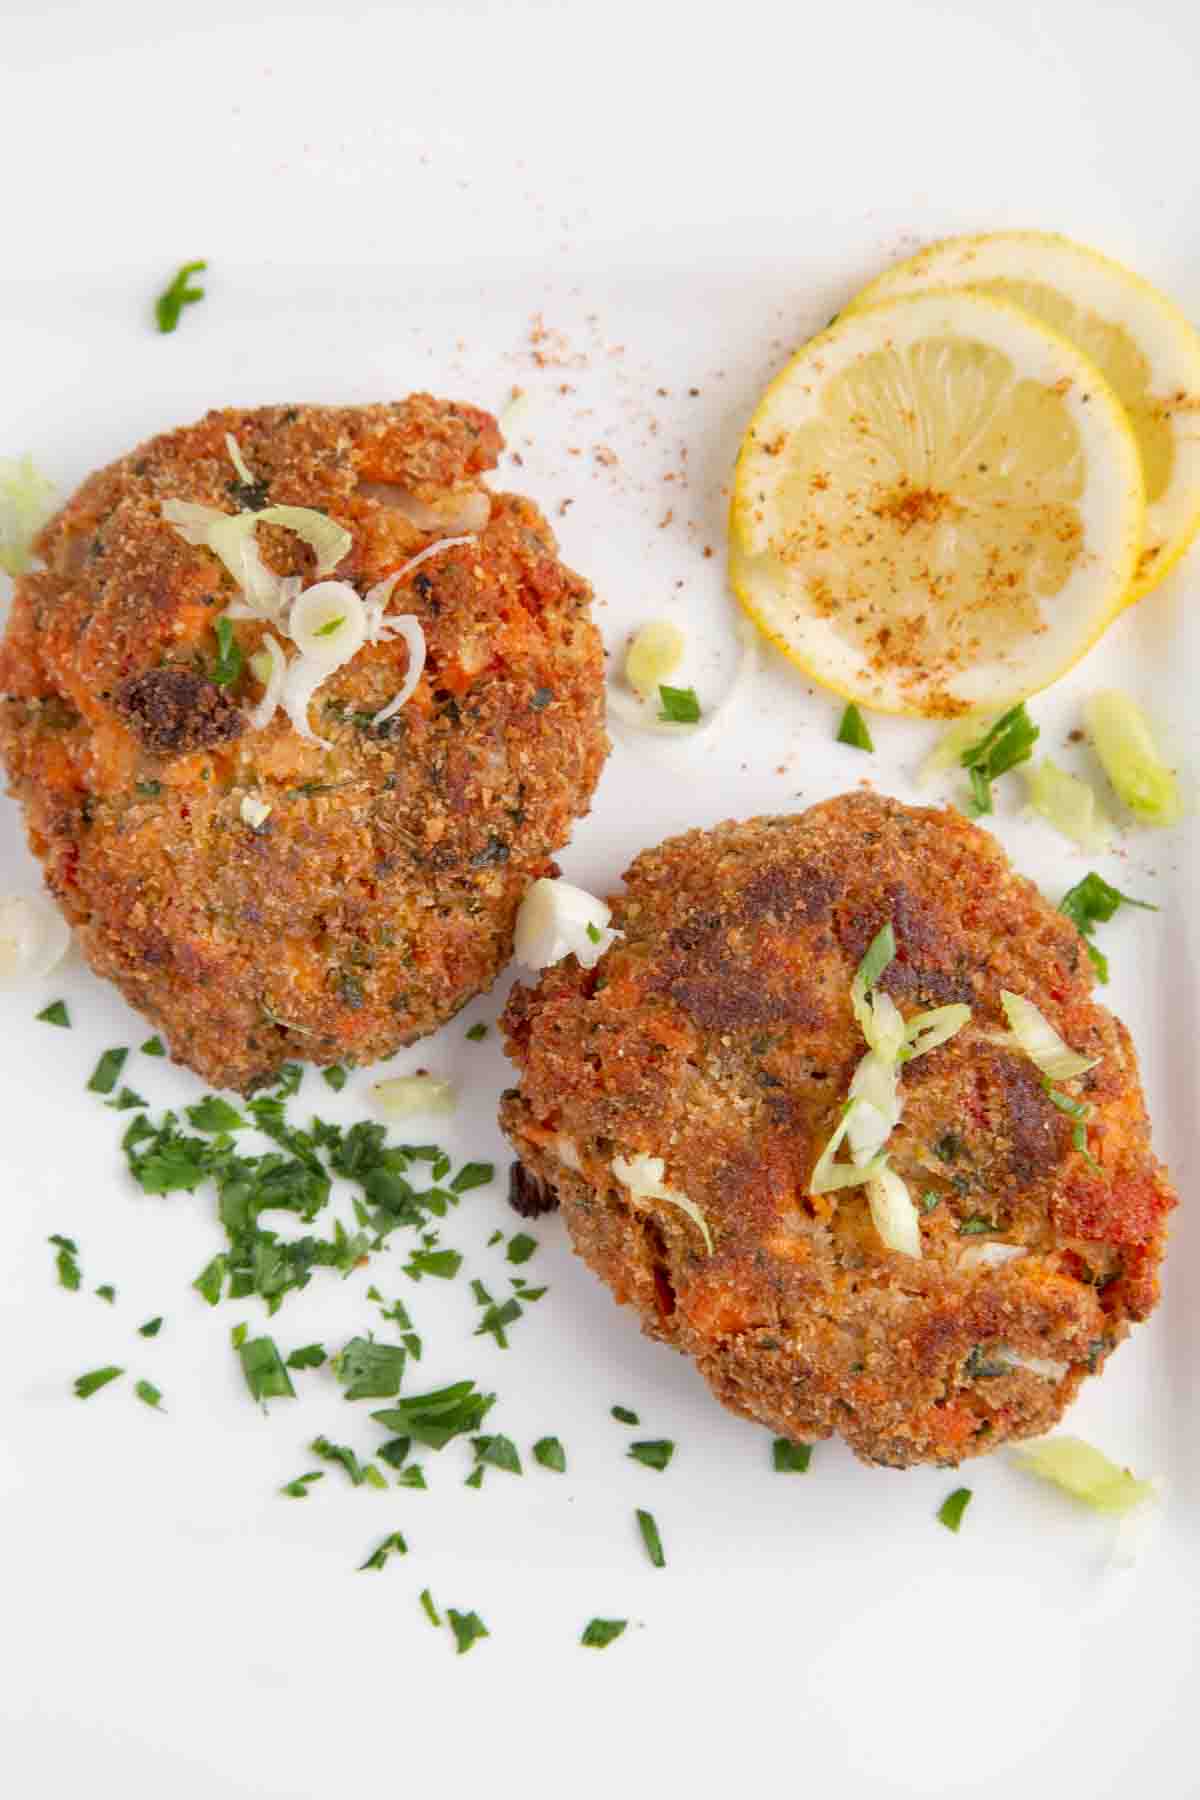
(496,1318)
(412,1477)
(342,1453)
(104,1075)
(1009,742)
(472,1175)
(1093,901)
(679,706)
(392,1545)
(55,1014)
(228,665)
(654,1453)
(624,1417)
(153,1046)
(66,1262)
(370,1371)
(950,1512)
(149,1394)
(106,1291)
(298,1489)
(975,1226)
(477,1033)
(550,1453)
(445,1264)
(151,1328)
(213,1115)
(435,1418)
(177,294)
(520,1247)
(599,1633)
(266,1376)
(309,1356)
(429,1609)
(95,1379)
(335,1077)
(498,1452)
(468,1628)
(853,730)
(790,1459)
(651,1539)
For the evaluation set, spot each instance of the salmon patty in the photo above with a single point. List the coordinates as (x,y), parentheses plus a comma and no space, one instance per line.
(719,1035)
(261,895)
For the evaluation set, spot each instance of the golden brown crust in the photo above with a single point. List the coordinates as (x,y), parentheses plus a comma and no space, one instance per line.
(719,1035)
(380,893)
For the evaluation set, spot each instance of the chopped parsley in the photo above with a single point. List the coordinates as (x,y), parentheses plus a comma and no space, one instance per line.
(497,1317)
(651,1539)
(975,1226)
(298,1489)
(497,1452)
(228,665)
(475,1478)
(435,1418)
(472,1175)
(66,1261)
(468,1628)
(623,1416)
(599,1633)
(370,1371)
(213,1115)
(266,1376)
(151,1328)
(359,1473)
(654,1453)
(211,1279)
(594,933)
(106,1291)
(950,1512)
(790,1459)
(1009,742)
(477,1033)
(125,1101)
(335,1077)
(853,730)
(412,1477)
(392,1545)
(429,1609)
(497,1237)
(153,1046)
(550,1453)
(445,1264)
(55,1014)
(176,295)
(95,1379)
(1093,901)
(308,1356)
(679,706)
(930,1199)
(104,1075)
(147,1392)
(520,1247)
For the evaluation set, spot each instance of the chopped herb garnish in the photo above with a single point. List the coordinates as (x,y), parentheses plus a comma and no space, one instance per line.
(228,665)
(309,1356)
(679,706)
(497,1237)
(853,730)
(104,1075)
(266,1376)
(394,1451)
(1079,1139)
(496,1318)
(1009,742)
(55,1014)
(330,626)
(468,1628)
(475,1478)
(477,1033)
(651,1539)
(655,1453)
(520,1247)
(599,1633)
(445,1264)
(412,1477)
(392,1545)
(550,1453)
(594,933)
(177,295)
(211,1279)
(370,1371)
(950,1512)
(790,1459)
(429,1609)
(498,1453)
(434,1418)
(151,1328)
(472,1175)
(1093,901)
(342,1453)
(106,1291)
(212,1114)
(298,1489)
(125,1101)
(623,1416)
(65,1262)
(94,1380)
(975,1226)
(929,1199)
(147,1392)
(335,1076)
(154,1046)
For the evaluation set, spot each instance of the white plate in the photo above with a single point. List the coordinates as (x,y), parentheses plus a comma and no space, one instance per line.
(387,200)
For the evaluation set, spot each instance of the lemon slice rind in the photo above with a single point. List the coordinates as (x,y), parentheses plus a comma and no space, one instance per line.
(1141,342)
(1111,509)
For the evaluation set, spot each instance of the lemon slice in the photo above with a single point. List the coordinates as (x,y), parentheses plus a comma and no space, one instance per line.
(938,506)
(1143,346)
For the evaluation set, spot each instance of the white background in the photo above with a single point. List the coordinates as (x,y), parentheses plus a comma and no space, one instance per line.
(386,197)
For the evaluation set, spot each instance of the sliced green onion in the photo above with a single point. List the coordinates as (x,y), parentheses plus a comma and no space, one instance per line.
(26,502)
(875,1108)
(1041,1043)
(644,1177)
(1085,1473)
(405,1095)
(950,1512)
(654,653)
(238,460)
(927,1031)
(1068,804)
(947,752)
(327,540)
(328,623)
(1129,757)
(829,1174)
(894,1213)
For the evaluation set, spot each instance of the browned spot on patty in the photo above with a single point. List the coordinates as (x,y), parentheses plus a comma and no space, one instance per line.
(175,710)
